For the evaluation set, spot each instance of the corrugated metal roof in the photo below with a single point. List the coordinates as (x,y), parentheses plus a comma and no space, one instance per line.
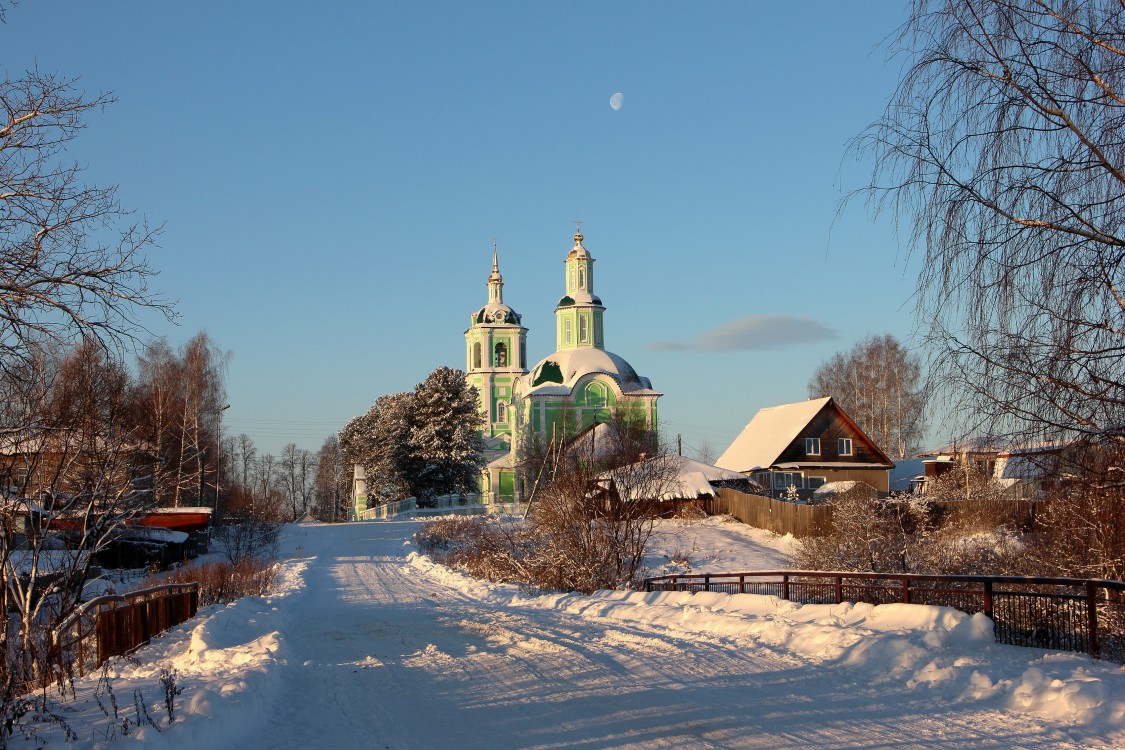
(769,433)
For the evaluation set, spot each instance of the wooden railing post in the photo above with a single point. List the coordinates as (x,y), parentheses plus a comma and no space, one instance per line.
(905,590)
(1092,617)
(839,589)
(707,582)
(785,587)
(742,584)
(988,600)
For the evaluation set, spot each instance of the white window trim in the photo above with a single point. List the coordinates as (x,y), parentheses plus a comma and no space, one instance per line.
(841,442)
(809,441)
(800,483)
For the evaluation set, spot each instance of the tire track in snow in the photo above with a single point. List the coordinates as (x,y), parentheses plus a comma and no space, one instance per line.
(383,657)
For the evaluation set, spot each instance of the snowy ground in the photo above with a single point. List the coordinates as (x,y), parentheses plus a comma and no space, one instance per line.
(366,644)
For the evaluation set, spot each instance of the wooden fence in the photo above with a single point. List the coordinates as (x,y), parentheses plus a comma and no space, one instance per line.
(779,516)
(1064,614)
(114,625)
(784,517)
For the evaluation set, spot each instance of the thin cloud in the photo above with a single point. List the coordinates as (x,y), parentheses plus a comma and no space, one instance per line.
(754,333)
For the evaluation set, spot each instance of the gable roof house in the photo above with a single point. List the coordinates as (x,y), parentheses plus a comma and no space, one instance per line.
(806,445)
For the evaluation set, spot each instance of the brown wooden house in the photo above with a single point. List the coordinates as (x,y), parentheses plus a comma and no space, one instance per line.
(805,446)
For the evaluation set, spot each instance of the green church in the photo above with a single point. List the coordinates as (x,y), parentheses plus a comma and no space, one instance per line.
(578,386)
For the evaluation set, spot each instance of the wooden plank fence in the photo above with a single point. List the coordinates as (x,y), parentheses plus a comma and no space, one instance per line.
(779,516)
(801,520)
(115,625)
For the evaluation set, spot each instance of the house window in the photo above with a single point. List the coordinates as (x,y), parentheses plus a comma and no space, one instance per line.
(844,446)
(583,329)
(476,356)
(501,354)
(783,480)
(815,482)
(812,446)
(566,331)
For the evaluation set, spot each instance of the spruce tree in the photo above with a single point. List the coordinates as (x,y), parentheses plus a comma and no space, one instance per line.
(445,439)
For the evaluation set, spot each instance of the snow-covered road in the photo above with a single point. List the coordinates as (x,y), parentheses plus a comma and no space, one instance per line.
(368,646)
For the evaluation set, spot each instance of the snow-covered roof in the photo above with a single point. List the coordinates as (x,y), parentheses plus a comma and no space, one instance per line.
(29,441)
(496,313)
(193,510)
(46,561)
(503,462)
(768,434)
(1013,468)
(565,368)
(673,477)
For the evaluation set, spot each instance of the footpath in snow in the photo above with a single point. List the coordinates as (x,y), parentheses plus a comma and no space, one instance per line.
(368,644)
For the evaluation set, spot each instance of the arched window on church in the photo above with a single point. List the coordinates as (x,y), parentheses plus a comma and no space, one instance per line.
(566,331)
(523,358)
(501,412)
(476,356)
(583,329)
(501,354)
(581,278)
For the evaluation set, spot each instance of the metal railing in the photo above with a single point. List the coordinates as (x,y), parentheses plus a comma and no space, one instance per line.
(468,505)
(114,625)
(389,510)
(1065,614)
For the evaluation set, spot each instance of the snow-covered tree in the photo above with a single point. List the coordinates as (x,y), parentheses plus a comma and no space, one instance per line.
(445,437)
(422,443)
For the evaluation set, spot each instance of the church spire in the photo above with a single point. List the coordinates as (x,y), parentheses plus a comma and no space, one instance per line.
(579,314)
(495,280)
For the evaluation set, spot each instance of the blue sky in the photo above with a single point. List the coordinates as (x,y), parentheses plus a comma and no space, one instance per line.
(332,175)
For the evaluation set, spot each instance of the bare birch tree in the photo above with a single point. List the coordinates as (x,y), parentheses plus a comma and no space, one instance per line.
(878,384)
(1001,154)
(71,261)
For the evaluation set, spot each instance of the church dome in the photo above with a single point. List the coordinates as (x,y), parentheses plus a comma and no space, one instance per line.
(579,298)
(496,313)
(565,368)
(578,251)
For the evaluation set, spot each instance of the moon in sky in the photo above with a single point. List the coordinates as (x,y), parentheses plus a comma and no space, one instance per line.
(617,100)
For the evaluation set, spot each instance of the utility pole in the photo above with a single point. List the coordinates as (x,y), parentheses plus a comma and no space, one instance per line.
(679,445)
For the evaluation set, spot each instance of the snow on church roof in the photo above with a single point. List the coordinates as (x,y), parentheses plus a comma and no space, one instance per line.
(564,368)
(769,433)
(496,313)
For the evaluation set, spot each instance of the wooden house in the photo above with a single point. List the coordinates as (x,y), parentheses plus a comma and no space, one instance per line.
(804,446)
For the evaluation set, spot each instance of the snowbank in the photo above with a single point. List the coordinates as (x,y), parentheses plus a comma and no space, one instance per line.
(937,649)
